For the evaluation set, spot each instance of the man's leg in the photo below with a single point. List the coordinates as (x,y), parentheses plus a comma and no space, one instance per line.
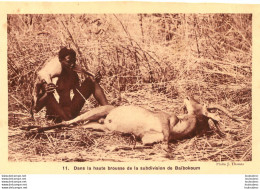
(87,88)
(100,95)
(54,110)
(80,94)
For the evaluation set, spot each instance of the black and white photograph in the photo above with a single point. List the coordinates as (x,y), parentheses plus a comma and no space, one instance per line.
(151,87)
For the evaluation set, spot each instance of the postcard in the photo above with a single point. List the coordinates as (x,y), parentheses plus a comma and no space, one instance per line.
(129,88)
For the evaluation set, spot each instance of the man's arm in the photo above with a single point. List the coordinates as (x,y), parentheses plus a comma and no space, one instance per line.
(40,93)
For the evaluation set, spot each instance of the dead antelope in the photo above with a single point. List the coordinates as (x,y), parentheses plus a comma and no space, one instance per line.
(152,127)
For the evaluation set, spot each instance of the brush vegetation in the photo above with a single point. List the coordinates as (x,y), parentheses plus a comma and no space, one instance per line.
(150,60)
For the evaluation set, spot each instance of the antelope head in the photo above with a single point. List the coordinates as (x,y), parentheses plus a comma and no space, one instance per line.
(193,107)
(197,120)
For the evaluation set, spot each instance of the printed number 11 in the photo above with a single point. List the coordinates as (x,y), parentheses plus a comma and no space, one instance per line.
(65,168)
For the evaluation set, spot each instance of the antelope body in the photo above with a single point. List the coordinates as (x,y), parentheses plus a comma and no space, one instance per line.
(149,126)
(152,126)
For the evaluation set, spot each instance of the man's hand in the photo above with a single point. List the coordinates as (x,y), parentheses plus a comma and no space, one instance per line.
(49,88)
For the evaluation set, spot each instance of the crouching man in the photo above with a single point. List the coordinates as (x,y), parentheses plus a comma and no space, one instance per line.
(65,69)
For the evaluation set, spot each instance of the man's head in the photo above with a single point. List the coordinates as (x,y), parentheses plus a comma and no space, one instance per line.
(67,57)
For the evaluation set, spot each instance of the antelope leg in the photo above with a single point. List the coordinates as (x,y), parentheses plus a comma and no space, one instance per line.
(215,127)
(92,115)
(152,137)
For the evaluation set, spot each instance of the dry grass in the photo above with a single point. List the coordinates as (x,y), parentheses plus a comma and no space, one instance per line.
(151,60)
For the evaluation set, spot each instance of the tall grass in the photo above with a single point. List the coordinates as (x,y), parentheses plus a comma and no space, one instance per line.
(204,54)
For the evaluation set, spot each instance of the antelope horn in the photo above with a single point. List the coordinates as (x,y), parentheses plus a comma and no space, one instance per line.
(214,125)
(224,110)
(213,116)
